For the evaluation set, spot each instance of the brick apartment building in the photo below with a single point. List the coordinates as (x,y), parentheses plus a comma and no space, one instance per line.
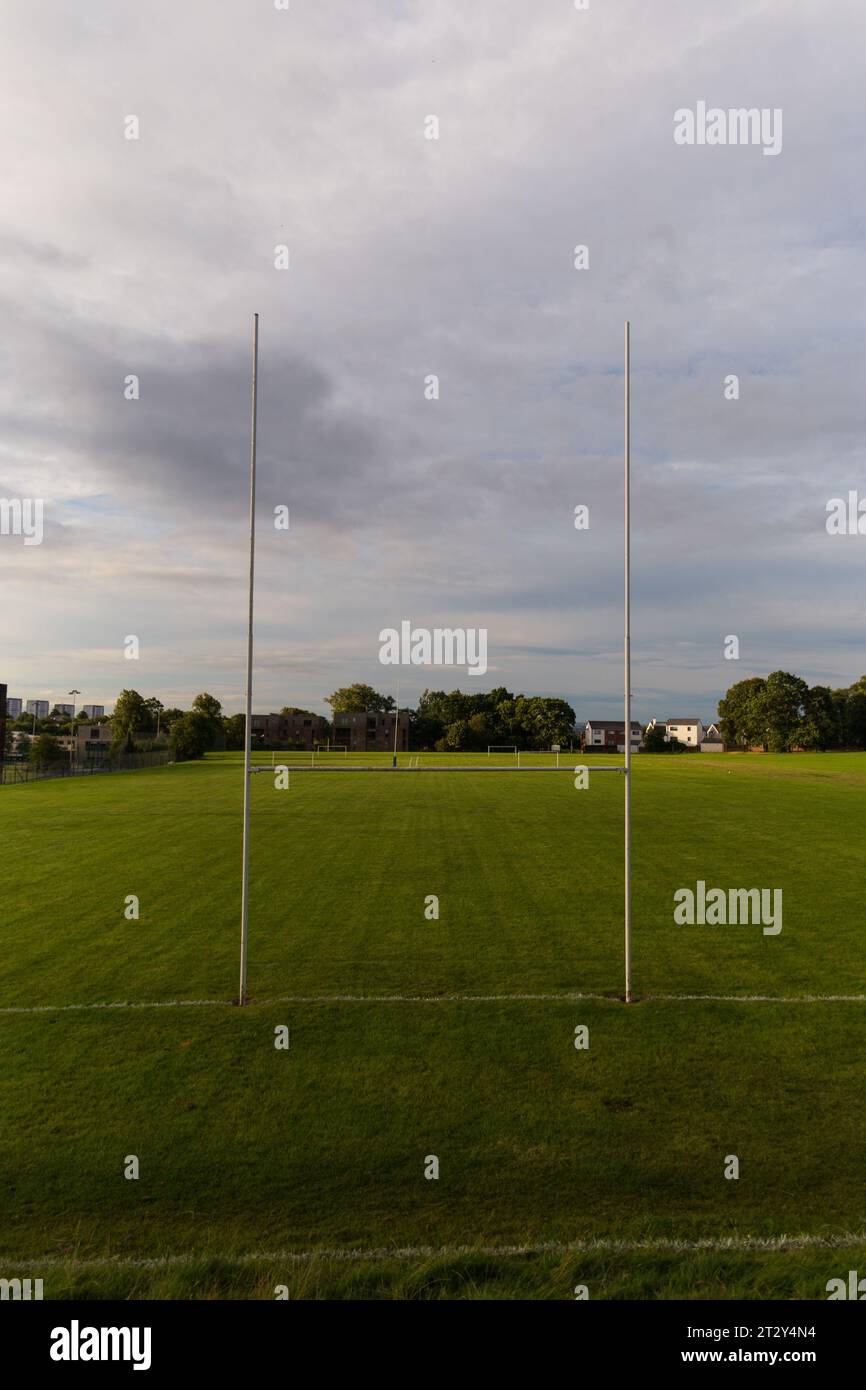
(608,735)
(291,730)
(370,731)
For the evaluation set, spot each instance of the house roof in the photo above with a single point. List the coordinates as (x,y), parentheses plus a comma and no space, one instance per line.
(683,720)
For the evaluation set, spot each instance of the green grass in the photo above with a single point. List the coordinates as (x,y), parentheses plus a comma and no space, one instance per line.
(247,1151)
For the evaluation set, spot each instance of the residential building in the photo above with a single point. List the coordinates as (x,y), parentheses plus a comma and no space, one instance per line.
(13,707)
(67,710)
(93,711)
(608,736)
(712,740)
(299,729)
(689,732)
(39,708)
(370,731)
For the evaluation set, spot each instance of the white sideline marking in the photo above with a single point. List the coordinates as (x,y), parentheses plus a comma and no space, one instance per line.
(301,999)
(843,1241)
(760,998)
(561,998)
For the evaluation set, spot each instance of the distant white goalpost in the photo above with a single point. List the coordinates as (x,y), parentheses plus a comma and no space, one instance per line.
(331,748)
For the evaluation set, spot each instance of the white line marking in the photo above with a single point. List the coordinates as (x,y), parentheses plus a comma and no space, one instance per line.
(761,998)
(844,1240)
(564,997)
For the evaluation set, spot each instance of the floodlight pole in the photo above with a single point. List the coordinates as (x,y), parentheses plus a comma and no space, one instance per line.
(627,664)
(245,878)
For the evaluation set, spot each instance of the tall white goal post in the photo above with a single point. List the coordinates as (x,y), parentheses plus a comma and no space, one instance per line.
(248,723)
(627,664)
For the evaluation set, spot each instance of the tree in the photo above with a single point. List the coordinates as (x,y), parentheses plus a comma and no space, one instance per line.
(654,740)
(538,721)
(131,714)
(234,728)
(355,699)
(821,723)
(122,743)
(783,704)
(208,705)
(155,708)
(855,718)
(478,735)
(45,751)
(190,736)
(455,738)
(742,715)
(210,709)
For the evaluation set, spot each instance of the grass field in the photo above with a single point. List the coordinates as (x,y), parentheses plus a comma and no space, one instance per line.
(451,1037)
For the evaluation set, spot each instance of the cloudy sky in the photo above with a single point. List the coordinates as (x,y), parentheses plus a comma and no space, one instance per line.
(409,256)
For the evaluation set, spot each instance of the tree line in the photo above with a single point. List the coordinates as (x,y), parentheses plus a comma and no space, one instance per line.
(780,712)
(461,722)
(445,721)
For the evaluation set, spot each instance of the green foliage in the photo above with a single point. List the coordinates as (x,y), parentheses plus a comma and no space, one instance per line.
(355,699)
(209,709)
(122,744)
(45,751)
(654,740)
(131,714)
(463,722)
(741,715)
(782,712)
(234,726)
(191,736)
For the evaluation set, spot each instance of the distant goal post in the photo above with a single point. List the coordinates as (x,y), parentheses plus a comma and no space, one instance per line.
(331,748)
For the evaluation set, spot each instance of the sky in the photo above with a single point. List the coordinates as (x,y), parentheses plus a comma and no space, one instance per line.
(411,257)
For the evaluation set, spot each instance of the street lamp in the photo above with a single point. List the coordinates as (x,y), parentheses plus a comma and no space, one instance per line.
(73,693)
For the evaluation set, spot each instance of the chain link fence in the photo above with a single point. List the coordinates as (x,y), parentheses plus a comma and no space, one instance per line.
(128,762)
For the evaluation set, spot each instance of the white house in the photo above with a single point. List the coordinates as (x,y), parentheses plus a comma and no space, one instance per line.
(687,731)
